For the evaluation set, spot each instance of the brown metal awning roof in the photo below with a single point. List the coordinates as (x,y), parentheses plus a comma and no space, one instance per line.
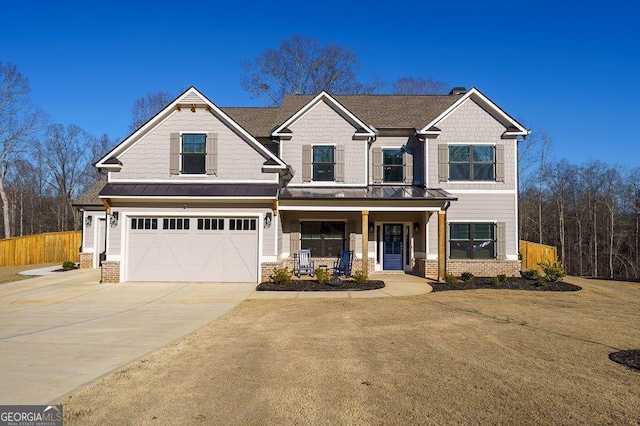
(189,190)
(374,192)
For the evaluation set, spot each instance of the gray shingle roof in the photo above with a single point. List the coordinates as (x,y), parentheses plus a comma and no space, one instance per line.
(379,111)
(91,195)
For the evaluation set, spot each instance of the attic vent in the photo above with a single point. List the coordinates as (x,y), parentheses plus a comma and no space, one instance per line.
(458,91)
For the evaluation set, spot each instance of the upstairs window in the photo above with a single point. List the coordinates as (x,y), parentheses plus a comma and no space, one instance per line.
(323,163)
(193,154)
(473,241)
(471,163)
(392,163)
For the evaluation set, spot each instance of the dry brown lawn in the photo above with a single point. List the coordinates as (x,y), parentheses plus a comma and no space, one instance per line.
(9,274)
(458,357)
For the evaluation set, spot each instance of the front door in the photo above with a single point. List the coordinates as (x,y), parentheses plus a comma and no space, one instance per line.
(392,247)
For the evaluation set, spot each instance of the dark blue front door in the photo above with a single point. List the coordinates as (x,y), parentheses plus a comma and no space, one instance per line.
(392,247)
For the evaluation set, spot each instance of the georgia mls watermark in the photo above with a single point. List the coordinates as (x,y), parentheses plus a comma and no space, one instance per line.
(31,415)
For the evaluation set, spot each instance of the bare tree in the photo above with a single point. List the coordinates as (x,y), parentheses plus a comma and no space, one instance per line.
(97,147)
(66,162)
(19,122)
(302,65)
(419,86)
(147,106)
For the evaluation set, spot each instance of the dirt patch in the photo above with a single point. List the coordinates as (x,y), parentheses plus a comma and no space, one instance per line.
(314,285)
(508,284)
(480,357)
(630,358)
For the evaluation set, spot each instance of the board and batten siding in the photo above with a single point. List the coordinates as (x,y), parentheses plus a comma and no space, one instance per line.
(322,125)
(471,124)
(483,207)
(148,158)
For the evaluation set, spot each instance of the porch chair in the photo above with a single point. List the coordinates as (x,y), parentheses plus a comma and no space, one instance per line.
(304,264)
(342,266)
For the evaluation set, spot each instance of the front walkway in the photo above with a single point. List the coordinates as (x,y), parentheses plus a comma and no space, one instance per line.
(395,285)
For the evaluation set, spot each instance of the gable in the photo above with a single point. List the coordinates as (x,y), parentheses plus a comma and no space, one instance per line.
(512,127)
(191,100)
(364,131)
(322,121)
(470,123)
(149,157)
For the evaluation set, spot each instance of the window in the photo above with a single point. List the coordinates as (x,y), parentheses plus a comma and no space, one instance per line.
(193,154)
(471,162)
(209,224)
(473,241)
(323,163)
(242,224)
(324,239)
(392,165)
(175,223)
(144,223)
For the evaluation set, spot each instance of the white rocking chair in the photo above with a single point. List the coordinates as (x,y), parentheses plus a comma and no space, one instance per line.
(304,264)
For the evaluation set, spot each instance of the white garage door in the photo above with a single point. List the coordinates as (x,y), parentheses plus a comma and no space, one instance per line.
(192,249)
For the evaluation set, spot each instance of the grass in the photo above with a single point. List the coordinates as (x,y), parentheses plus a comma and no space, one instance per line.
(479,357)
(9,274)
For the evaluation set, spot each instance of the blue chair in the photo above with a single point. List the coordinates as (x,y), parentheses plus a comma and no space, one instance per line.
(304,264)
(342,266)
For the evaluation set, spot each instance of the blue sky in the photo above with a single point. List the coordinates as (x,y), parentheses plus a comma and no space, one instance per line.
(571,68)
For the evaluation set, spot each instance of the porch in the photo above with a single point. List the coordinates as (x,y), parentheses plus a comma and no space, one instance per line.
(385,226)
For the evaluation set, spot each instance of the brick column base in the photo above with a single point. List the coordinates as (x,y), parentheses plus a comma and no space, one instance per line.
(111,271)
(86,260)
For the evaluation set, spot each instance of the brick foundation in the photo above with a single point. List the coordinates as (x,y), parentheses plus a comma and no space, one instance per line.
(110,271)
(484,268)
(479,268)
(86,260)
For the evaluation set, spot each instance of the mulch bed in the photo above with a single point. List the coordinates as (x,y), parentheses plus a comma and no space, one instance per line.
(630,358)
(508,284)
(313,285)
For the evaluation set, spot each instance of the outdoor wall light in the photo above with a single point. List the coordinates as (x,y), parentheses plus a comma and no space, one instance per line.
(114,219)
(416,228)
(87,221)
(267,220)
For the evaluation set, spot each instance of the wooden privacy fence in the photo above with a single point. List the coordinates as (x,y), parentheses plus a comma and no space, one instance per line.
(534,253)
(42,248)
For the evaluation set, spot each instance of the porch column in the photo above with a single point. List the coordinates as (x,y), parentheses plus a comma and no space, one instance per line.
(442,241)
(365,241)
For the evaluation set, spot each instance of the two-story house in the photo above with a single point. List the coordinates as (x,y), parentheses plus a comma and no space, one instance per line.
(420,184)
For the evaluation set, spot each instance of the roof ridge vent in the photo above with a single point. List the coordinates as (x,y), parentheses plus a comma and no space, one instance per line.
(458,91)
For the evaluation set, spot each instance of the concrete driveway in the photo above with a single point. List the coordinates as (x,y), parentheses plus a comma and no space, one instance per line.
(61,331)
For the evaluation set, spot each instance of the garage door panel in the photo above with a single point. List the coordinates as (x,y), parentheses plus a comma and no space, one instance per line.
(193,255)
